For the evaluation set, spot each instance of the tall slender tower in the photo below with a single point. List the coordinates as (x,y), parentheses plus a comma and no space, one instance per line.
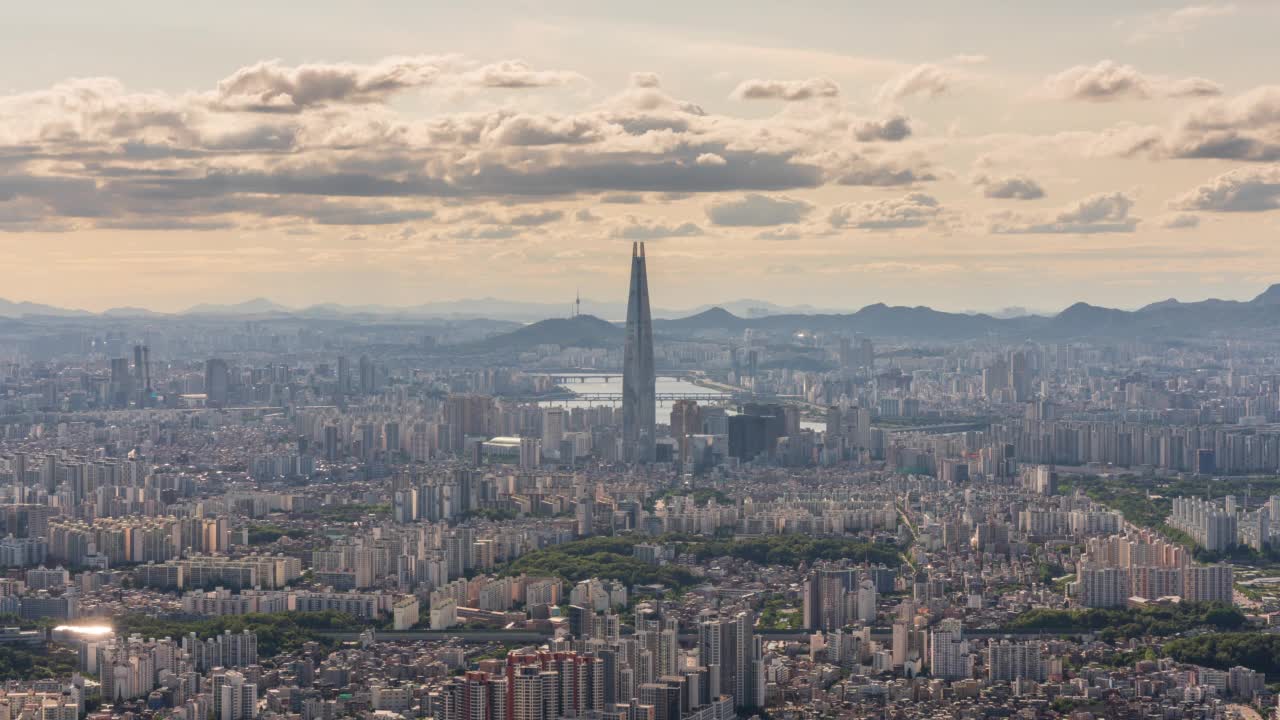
(638,393)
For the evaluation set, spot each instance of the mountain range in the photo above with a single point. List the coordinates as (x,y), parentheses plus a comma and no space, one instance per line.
(1165,319)
(489,308)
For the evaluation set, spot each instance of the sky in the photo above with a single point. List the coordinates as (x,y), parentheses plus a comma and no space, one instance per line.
(965,156)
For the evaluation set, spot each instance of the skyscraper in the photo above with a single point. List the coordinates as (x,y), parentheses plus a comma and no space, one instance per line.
(638,393)
(217,381)
(686,420)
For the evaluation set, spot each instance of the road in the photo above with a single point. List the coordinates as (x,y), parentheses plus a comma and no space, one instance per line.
(1242,712)
(529,636)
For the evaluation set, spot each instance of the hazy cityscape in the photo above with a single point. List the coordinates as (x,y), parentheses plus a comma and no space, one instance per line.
(320,403)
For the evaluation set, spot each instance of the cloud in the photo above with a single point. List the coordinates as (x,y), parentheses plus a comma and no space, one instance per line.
(319,144)
(755,210)
(1178,21)
(271,86)
(1017,187)
(532,218)
(623,199)
(1246,127)
(517,74)
(539,217)
(586,216)
(1252,189)
(645,80)
(910,211)
(1108,81)
(495,232)
(547,130)
(890,129)
(789,90)
(780,234)
(863,171)
(928,81)
(642,229)
(1101,213)
(1180,221)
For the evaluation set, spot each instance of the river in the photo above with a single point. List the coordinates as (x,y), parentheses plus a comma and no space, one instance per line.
(613,384)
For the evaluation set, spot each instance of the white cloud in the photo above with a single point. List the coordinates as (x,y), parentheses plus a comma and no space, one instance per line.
(1178,21)
(862,170)
(755,210)
(272,86)
(1016,187)
(1181,221)
(645,80)
(650,229)
(1108,80)
(1245,127)
(1101,213)
(1252,189)
(789,90)
(910,211)
(926,81)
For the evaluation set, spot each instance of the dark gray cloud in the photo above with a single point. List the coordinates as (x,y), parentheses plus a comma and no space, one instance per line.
(756,210)
(164,223)
(890,129)
(1102,213)
(52,200)
(622,199)
(1017,187)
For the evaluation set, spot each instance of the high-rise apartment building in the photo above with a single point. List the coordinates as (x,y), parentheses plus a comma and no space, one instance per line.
(217,381)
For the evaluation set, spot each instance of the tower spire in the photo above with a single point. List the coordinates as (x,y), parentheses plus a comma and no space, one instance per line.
(638,380)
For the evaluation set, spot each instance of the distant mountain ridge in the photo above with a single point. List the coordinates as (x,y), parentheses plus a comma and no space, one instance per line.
(1167,318)
(22,309)
(487,307)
